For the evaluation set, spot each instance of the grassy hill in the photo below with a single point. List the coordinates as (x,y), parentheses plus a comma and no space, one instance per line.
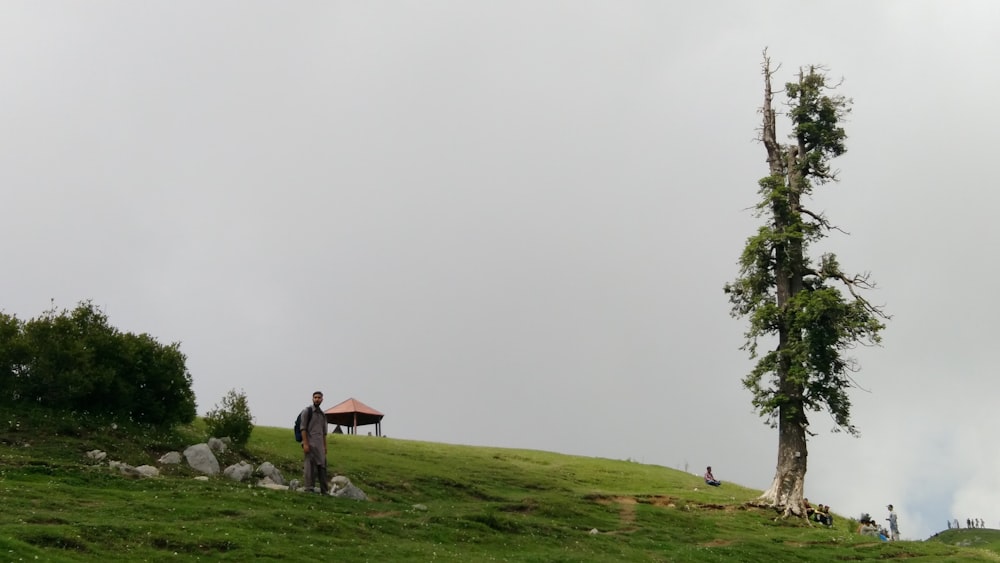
(983,539)
(482,504)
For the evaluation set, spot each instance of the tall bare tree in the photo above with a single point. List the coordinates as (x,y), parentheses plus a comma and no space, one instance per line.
(811,312)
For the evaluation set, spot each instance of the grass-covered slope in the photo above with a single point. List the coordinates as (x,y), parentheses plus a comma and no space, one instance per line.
(983,539)
(482,504)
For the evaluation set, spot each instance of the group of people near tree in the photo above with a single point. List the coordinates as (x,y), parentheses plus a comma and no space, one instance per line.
(866,524)
(819,513)
(868,527)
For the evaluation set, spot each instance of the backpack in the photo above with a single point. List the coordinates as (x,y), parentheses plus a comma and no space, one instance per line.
(298,426)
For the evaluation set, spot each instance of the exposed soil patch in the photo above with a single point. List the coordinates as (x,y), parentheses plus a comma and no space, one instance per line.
(626,510)
(717,543)
(524,507)
(660,500)
(626,507)
(655,500)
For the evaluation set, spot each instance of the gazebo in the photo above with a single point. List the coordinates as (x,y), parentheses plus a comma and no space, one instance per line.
(353,413)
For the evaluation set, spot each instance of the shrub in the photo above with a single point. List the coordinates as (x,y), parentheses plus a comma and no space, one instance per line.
(231,419)
(76,360)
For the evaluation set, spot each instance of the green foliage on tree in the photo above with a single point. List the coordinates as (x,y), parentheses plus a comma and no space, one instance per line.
(809,309)
(13,355)
(231,419)
(76,361)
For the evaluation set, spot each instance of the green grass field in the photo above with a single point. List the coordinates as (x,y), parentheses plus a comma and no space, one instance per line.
(482,504)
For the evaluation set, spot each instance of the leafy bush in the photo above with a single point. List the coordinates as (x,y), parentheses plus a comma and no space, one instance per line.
(76,360)
(231,419)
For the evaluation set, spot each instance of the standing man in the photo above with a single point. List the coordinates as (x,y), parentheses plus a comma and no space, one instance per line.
(313,426)
(893,524)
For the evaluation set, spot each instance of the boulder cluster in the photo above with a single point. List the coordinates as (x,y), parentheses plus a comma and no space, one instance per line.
(202,458)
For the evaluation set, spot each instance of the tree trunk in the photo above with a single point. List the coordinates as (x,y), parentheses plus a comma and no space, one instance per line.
(787,490)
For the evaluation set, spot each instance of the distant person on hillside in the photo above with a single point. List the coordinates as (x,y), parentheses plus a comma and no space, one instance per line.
(710,479)
(313,426)
(809,509)
(893,524)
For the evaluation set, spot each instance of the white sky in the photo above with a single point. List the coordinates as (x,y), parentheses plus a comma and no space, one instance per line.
(509,223)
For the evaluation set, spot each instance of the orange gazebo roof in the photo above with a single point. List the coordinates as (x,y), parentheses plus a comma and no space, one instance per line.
(352,413)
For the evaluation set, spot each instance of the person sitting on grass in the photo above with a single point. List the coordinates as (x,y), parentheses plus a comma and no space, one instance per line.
(867,527)
(822,515)
(818,513)
(710,479)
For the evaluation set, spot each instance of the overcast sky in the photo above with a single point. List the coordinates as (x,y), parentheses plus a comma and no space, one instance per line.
(509,223)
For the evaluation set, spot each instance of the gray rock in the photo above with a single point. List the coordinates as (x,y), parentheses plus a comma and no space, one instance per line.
(147,471)
(96,455)
(267,470)
(169,458)
(267,483)
(420,507)
(129,471)
(201,458)
(350,491)
(217,445)
(239,472)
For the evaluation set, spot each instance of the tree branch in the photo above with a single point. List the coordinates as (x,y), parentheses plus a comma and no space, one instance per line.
(817,217)
(853,284)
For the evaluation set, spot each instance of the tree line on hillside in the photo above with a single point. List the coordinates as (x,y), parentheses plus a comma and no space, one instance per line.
(76,361)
